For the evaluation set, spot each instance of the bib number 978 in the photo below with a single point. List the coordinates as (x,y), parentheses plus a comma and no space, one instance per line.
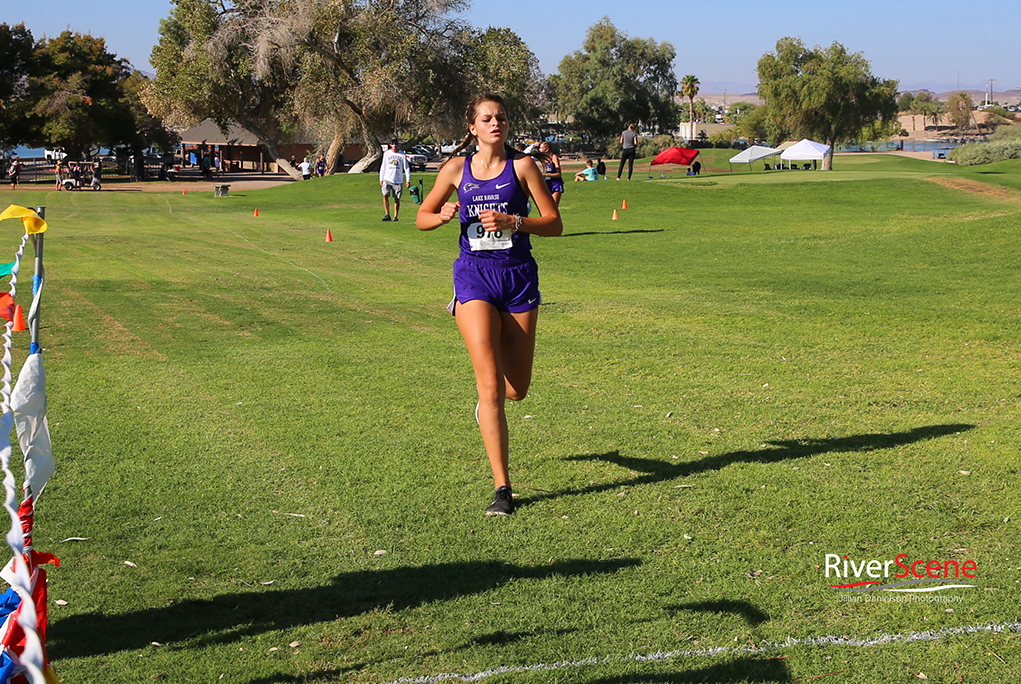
(482,240)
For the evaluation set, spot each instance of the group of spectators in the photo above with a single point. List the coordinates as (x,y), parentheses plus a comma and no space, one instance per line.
(308,167)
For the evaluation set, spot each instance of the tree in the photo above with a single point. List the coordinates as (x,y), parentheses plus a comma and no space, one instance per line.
(205,69)
(753,125)
(16,47)
(929,107)
(373,69)
(689,89)
(825,93)
(76,95)
(148,131)
(615,80)
(738,110)
(904,102)
(959,106)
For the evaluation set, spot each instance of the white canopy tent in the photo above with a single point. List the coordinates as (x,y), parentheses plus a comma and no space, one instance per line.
(753,154)
(805,150)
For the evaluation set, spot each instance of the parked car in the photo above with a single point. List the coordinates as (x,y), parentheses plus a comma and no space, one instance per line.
(428,151)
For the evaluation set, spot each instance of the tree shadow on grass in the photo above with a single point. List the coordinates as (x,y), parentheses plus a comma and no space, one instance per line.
(229,617)
(781,450)
(751,614)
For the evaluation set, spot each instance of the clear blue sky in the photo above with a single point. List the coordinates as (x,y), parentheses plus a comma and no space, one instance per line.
(922,44)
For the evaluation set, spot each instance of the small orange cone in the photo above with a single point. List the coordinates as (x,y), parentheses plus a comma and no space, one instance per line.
(256,212)
(624,205)
(329,235)
(614,215)
(184,192)
(19,319)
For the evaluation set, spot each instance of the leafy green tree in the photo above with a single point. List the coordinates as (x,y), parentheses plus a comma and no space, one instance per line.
(825,93)
(205,69)
(148,131)
(753,125)
(16,48)
(737,110)
(904,102)
(959,106)
(76,95)
(615,80)
(373,69)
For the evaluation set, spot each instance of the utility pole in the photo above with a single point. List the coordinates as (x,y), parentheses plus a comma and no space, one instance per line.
(989,91)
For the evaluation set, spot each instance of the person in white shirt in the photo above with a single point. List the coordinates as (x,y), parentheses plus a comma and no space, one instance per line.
(306,169)
(394,171)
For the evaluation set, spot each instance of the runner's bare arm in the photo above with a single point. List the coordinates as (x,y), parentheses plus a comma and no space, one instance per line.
(436,210)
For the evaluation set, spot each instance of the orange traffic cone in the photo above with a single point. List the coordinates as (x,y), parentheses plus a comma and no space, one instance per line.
(614,215)
(184,192)
(624,205)
(329,235)
(256,212)
(19,319)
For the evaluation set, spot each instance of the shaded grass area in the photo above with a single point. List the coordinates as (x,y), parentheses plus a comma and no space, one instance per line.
(732,381)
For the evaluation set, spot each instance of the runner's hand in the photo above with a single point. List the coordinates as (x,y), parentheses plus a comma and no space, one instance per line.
(493,221)
(449,210)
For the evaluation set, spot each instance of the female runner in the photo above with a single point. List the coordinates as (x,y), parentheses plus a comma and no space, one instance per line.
(554,177)
(496,284)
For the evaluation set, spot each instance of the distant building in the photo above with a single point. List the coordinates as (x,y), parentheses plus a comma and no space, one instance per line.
(239,150)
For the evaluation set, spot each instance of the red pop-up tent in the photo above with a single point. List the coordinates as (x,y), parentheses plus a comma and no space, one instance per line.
(675,155)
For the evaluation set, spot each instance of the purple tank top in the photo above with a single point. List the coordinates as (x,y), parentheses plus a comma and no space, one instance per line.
(503,194)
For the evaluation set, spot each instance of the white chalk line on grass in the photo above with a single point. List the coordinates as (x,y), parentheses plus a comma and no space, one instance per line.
(300,268)
(765,647)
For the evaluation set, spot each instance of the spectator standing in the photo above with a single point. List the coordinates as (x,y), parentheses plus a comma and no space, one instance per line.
(393,172)
(627,150)
(14,172)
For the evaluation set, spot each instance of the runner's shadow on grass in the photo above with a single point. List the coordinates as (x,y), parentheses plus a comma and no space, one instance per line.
(782,450)
(613,232)
(742,670)
(229,617)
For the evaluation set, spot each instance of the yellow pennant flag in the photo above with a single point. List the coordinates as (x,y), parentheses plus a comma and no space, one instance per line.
(33,224)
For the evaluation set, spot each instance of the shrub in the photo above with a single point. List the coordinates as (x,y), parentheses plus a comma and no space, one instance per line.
(987,152)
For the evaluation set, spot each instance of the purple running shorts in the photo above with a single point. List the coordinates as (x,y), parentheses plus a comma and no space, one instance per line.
(508,287)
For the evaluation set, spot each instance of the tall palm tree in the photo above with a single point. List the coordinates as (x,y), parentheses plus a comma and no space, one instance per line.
(689,89)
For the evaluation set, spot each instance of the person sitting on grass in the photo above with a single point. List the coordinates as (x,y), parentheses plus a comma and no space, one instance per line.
(588,173)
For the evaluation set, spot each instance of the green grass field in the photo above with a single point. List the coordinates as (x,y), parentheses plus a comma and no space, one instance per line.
(741,375)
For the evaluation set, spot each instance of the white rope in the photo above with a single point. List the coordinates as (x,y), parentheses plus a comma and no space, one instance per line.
(765,647)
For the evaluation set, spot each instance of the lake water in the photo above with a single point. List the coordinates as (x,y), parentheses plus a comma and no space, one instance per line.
(906,145)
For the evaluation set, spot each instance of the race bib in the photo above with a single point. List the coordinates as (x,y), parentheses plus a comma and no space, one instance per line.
(482,240)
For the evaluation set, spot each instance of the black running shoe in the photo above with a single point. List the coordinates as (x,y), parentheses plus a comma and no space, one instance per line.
(503,502)
(387,218)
